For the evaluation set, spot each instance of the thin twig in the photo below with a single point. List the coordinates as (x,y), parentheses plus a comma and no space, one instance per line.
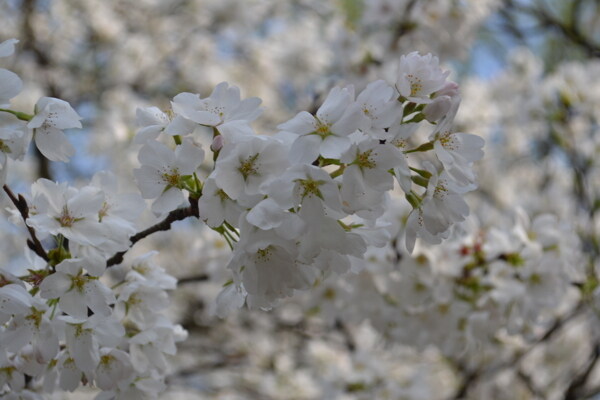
(164,225)
(192,279)
(575,389)
(21,204)
(474,376)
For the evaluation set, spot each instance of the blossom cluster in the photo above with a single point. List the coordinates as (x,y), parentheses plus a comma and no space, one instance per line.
(297,207)
(473,297)
(306,201)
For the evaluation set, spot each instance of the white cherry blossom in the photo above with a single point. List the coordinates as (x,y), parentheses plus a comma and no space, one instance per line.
(419,77)
(221,107)
(51,118)
(76,290)
(325,133)
(162,172)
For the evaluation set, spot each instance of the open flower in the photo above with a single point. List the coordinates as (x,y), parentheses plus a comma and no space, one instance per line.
(10,83)
(65,210)
(76,290)
(419,77)
(162,172)
(222,106)
(51,118)
(325,133)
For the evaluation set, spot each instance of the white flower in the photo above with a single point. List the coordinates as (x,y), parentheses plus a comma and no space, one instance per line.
(144,270)
(243,166)
(84,337)
(10,375)
(230,298)
(148,347)
(10,83)
(14,138)
(153,121)
(51,118)
(305,181)
(419,77)
(14,300)
(222,106)
(119,211)
(216,206)
(141,302)
(32,326)
(114,367)
(398,136)
(10,86)
(327,132)
(60,209)
(77,291)
(367,177)
(379,107)
(162,172)
(325,237)
(457,151)
(440,208)
(265,263)
(70,375)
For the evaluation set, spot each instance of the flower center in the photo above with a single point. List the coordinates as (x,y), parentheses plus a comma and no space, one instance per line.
(103,211)
(247,166)
(264,255)
(448,141)
(322,130)
(66,219)
(309,187)
(415,85)
(172,177)
(4,147)
(78,282)
(364,160)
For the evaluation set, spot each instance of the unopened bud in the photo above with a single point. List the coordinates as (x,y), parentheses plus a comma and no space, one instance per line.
(450,89)
(217,143)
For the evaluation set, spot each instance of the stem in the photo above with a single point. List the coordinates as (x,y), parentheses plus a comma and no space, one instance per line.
(192,279)
(424,147)
(34,244)
(338,171)
(21,115)
(164,225)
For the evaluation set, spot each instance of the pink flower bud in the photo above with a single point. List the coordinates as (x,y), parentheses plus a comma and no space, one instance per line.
(217,143)
(450,89)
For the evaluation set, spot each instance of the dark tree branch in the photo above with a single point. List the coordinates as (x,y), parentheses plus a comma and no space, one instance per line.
(526,379)
(472,377)
(192,279)
(21,204)
(569,28)
(576,388)
(164,225)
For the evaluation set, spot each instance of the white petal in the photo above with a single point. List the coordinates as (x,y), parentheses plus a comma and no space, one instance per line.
(53,144)
(55,285)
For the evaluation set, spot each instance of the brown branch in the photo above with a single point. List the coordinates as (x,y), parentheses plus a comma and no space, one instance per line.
(474,376)
(570,30)
(21,204)
(528,382)
(192,279)
(164,225)
(577,385)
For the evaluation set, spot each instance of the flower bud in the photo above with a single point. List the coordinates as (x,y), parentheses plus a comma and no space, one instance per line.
(217,143)
(449,89)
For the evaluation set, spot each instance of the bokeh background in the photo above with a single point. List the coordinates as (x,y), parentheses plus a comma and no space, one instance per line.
(529,72)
